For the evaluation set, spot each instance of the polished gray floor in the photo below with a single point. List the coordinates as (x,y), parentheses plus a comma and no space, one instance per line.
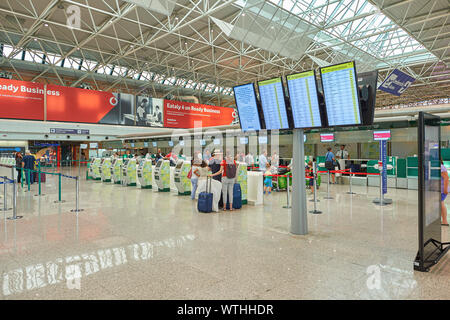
(137,244)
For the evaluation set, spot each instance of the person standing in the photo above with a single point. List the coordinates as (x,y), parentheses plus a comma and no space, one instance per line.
(19,158)
(200,171)
(275,160)
(444,193)
(268,180)
(215,166)
(249,160)
(330,163)
(28,163)
(228,170)
(341,156)
(263,161)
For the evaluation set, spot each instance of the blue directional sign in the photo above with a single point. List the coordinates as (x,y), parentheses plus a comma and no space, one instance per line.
(396,83)
(68,131)
(383,158)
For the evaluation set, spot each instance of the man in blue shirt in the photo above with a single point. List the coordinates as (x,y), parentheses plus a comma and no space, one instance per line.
(28,163)
(329,157)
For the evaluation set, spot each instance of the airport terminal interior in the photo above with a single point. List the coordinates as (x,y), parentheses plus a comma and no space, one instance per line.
(226,150)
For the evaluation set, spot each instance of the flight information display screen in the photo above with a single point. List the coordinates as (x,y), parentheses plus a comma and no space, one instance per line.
(302,88)
(273,104)
(154,144)
(341,94)
(247,107)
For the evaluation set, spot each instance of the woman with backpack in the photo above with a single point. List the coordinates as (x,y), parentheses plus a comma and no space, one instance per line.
(228,169)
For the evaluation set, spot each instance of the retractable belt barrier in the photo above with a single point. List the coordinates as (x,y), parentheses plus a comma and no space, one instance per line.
(28,172)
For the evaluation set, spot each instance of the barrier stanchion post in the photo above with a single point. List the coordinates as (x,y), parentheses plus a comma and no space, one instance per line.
(59,189)
(287,206)
(77,195)
(350,183)
(381,201)
(5,196)
(15,216)
(39,180)
(315,211)
(29,180)
(328,187)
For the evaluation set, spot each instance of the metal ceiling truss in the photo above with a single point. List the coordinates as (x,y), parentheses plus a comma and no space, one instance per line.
(123,47)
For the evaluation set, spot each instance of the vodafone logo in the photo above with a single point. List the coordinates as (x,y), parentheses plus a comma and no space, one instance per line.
(113,101)
(234,114)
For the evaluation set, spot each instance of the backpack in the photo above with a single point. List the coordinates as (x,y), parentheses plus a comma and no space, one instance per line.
(231,170)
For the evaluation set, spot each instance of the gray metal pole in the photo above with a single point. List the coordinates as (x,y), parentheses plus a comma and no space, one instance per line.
(328,187)
(5,200)
(77,195)
(299,219)
(350,182)
(15,216)
(315,211)
(287,206)
(5,195)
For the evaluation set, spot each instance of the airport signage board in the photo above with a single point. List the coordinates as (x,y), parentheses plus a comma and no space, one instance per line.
(68,131)
(21,100)
(273,105)
(179,114)
(79,105)
(83,146)
(327,137)
(396,83)
(383,160)
(34,101)
(341,95)
(382,135)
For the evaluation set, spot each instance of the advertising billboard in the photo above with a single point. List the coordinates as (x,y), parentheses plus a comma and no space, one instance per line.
(21,100)
(179,114)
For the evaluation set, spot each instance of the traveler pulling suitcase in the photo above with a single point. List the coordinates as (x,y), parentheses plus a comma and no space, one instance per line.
(205,199)
(237,197)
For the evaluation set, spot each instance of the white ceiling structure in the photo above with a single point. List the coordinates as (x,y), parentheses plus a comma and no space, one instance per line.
(182,48)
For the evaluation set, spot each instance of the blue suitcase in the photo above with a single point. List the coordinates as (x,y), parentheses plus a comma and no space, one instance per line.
(205,199)
(237,197)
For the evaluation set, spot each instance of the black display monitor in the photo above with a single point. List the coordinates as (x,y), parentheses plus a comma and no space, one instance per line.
(247,107)
(304,100)
(367,83)
(271,93)
(341,94)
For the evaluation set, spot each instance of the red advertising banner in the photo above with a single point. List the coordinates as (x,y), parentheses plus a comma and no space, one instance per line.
(78,105)
(21,100)
(178,114)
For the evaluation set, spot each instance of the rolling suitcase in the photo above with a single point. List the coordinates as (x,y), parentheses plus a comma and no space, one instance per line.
(36,177)
(205,199)
(237,197)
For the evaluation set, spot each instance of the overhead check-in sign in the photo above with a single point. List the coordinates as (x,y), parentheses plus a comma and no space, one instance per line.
(396,83)
(68,131)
